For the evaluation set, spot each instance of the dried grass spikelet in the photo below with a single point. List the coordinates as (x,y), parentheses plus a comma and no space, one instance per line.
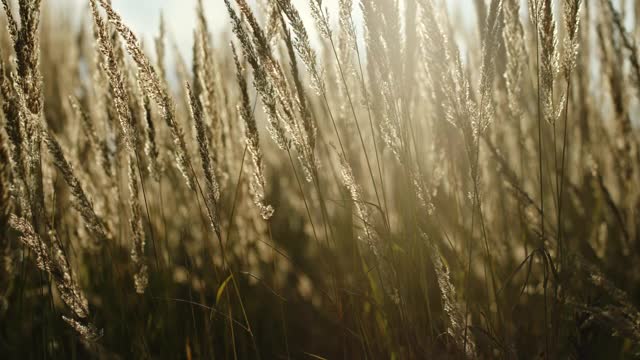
(489,47)
(116,79)
(97,145)
(213,189)
(205,89)
(309,131)
(141,276)
(347,51)
(197,51)
(369,235)
(26,44)
(455,317)
(549,58)
(422,195)
(5,194)
(438,55)
(204,82)
(571,40)
(253,142)
(154,87)
(346,21)
(303,46)
(208,77)
(383,72)
(51,258)
(321,18)
(299,133)
(260,82)
(150,145)
(6,208)
(271,67)
(86,330)
(458,106)
(13,125)
(31,124)
(362,211)
(80,200)
(27,84)
(273,29)
(513,35)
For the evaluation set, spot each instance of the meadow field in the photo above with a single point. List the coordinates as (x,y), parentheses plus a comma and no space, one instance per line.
(375,181)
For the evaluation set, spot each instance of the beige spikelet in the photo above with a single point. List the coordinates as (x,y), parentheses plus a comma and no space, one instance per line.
(81,201)
(303,45)
(513,35)
(275,125)
(51,258)
(141,276)
(86,330)
(213,190)
(98,145)
(154,87)
(455,318)
(571,40)
(253,142)
(5,195)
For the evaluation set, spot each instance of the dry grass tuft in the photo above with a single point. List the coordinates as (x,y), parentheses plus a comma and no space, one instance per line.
(407,188)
